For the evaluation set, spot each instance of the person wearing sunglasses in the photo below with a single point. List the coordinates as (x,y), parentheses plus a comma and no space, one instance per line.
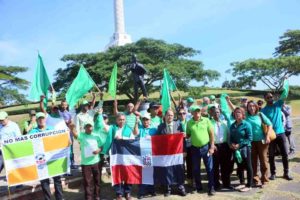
(273,111)
(182,119)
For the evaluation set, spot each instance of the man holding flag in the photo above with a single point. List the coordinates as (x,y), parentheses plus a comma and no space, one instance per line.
(172,127)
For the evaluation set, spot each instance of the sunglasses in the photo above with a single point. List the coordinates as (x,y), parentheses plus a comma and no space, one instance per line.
(269,97)
(182,113)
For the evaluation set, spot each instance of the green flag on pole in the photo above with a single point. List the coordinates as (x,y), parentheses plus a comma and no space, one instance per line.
(165,93)
(41,83)
(79,87)
(112,86)
(171,83)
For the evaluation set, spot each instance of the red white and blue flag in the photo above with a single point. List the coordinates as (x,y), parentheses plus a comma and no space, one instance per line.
(155,160)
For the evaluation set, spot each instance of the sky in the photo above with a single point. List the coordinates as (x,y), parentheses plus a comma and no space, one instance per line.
(223,30)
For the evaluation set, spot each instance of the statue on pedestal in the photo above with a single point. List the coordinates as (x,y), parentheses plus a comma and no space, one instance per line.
(138,71)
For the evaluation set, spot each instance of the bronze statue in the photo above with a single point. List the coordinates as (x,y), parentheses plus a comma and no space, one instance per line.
(138,71)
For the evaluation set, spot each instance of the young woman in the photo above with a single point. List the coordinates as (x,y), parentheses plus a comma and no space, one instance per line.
(240,142)
(260,142)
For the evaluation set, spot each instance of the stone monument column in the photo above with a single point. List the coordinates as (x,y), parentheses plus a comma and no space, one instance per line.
(120,37)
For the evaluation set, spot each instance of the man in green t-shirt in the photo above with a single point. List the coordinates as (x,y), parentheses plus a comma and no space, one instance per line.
(90,146)
(200,130)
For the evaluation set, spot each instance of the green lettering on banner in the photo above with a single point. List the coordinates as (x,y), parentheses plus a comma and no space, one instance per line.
(57,167)
(17,150)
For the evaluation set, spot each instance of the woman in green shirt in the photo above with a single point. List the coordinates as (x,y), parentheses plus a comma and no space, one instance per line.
(240,142)
(260,142)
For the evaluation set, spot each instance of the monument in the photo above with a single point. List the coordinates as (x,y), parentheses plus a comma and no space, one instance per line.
(120,37)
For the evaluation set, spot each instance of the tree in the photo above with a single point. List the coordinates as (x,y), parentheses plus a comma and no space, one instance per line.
(273,70)
(289,44)
(10,85)
(154,54)
(270,71)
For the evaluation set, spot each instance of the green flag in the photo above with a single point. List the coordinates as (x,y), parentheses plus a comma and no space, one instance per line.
(171,83)
(41,83)
(112,86)
(79,87)
(223,103)
(165,94)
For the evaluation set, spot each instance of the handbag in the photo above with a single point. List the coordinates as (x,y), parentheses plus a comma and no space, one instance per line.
(268,130)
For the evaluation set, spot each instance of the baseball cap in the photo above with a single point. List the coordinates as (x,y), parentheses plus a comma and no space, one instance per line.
(32,112)
(190,100)
(40,114)
(85,102)
(194,108)
(212,97)
(146,115)
(153,105)
(3,115)
(104,116)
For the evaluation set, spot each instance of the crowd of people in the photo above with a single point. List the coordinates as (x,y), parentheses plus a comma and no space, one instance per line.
(220,137)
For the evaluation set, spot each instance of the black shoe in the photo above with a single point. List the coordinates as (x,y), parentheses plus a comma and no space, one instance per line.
(272,177)
(153,194)
(168,193)
(140,196)
(211,192)
(182,193)
(287,177)
(199,190)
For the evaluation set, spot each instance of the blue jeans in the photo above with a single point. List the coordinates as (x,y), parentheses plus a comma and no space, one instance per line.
(197,154)
(45,184)
(1,162)
(146,189)
(122,189)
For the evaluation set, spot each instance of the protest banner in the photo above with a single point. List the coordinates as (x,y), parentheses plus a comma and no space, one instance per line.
(36,156)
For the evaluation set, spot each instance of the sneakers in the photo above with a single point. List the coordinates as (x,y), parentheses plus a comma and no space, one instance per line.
(287,177)
(239,187)
(245,189)
(272,177)
(182,193)
(211,192)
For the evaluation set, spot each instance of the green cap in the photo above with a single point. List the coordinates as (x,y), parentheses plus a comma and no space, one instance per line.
(3,115)
(85,102)
(212,97)
(194,108)
(190,100)
(40,114)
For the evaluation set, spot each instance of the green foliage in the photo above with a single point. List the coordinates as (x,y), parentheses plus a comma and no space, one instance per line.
(196,92)
(294,91)
(154,54)
(289,44)
(270,71)
(10,85)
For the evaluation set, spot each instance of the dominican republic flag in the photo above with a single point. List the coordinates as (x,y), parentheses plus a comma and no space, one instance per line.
(155,160)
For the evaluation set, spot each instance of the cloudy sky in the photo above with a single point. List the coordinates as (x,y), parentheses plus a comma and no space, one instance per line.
(224,30)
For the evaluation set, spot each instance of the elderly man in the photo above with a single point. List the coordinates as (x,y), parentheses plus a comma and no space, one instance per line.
(7,129)
(200,130)
(130,113)
(171,127)
(119,131)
